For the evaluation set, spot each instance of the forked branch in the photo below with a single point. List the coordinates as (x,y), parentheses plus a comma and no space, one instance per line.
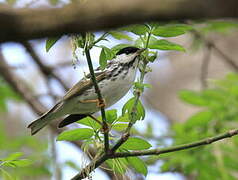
(94,164)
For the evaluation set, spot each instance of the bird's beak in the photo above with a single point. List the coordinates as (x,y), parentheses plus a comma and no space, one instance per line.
(141,50)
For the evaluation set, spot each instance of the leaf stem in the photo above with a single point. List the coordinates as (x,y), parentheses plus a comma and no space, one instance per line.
(95,119)
(102,37)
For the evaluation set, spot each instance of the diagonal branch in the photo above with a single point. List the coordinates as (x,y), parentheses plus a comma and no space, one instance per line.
(212,45)
(46,70)
(204,67)
(88,16)
(96,163)
(91,167)
(159,151)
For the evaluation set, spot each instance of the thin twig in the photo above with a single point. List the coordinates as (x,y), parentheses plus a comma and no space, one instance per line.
(101,101)
(61,65)
(225,58)
(95,119)
(102,37)
(46,71)
(211,44)
(93,165)
(159,151)
(204,67)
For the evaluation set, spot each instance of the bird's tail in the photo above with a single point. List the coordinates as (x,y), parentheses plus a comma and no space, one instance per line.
(38,124)
(45,119)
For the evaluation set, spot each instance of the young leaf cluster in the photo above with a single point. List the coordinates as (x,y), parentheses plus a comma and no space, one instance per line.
(218,114)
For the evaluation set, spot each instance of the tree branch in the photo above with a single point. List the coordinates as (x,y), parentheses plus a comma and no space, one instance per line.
(26,24)
(212,45)
(100,99)
(96,163)
(204,66)
(91,167)
(159,151)
(46,71)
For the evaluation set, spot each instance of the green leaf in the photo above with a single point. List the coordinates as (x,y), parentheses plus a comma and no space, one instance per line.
(153,57)
(141,87)
(199,119)
(103,59)
(106,54)
(140,111)
(193,98)
(138,165)
(76,134)
(118,47)
(136,29)
(6,94)
(220,26)
(111,115)
(124,118)
(171,30)
(88,121)
(6,175)
(165,45)
(134,143)
(50,42)
(118,165)
(119,127)
(119,35)
(22,162)
(141,41)
(14,156)
(128,106)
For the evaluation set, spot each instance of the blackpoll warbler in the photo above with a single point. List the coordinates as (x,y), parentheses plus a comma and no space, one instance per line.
(81,100)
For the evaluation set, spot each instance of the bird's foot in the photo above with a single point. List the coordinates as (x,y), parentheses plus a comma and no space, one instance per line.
(100,104)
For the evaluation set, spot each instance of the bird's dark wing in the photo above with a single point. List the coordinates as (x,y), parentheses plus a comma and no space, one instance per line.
(83,85)
(71,119)
(97,73)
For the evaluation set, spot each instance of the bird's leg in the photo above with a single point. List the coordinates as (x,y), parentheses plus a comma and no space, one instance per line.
(99,103)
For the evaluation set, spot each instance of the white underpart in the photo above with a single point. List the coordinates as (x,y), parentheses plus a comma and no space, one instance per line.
(112,91)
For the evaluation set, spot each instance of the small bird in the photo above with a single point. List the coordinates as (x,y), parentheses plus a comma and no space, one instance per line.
(81,100)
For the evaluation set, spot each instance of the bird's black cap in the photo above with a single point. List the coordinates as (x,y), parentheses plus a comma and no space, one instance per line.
(127,50)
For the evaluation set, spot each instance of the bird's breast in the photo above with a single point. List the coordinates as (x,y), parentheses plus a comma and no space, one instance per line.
(116,84)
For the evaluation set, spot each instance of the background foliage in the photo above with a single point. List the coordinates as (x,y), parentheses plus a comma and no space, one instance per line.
(22,156)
